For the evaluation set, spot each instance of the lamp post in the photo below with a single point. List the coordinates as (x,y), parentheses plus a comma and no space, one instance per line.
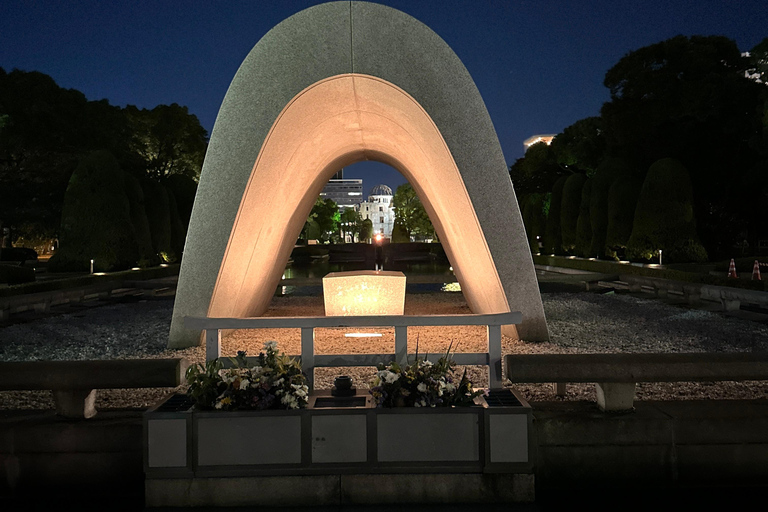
(659,257)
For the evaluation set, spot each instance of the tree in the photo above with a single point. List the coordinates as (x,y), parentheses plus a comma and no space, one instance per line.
(366,230)
(688,98)
(96,219)
(410,214)
(536,172)
(45,131)
(323,221)
(350,223)
(581,146)
(168,139)
(664,217)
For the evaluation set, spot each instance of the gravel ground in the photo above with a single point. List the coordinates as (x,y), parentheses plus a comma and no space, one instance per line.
(578,322)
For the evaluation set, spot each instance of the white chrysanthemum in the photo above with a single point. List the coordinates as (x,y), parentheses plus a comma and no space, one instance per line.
(270,344)
(244,384)
(391,377)
(422,387)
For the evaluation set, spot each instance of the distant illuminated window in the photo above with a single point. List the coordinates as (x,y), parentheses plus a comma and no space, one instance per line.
(381,219)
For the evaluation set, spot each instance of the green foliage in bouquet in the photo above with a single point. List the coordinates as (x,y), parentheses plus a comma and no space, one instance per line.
(275,382)
(422,384)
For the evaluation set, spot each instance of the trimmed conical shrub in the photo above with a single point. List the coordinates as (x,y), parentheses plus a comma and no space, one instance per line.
(570,206)
(607,172)
(96,219)
(147,255)
(584,223)
(553,238)
(622,200)
(178,228)
(664,217)
(159,217)
(534,219)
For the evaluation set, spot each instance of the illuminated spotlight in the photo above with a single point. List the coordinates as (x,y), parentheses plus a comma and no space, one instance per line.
(136,268)
(99,273)
(363,335)
(624,261)
(163,264)
(364,292)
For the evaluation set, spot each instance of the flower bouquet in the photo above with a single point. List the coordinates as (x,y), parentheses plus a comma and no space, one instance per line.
(275,382)
(422,384)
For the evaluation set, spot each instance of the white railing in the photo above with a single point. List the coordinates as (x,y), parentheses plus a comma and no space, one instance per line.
(310,360)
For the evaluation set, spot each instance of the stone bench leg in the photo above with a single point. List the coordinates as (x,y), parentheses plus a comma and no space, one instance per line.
(661,292)
(5,314)
(75,403)
(730,304)
(615,396)
(559,388)
(43,306)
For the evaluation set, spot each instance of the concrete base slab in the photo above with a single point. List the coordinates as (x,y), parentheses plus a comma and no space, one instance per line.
(324,490)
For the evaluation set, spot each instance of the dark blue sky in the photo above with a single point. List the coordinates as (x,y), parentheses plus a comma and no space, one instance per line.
(538,65)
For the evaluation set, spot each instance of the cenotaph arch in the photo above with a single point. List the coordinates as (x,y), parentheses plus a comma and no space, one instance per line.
(332,85)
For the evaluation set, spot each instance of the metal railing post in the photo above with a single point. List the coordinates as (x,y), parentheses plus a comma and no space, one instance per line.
(212,344)
(495,377)
(401,344)
(308,353)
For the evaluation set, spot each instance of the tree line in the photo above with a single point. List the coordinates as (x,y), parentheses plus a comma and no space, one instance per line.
(676,161)
(111,184)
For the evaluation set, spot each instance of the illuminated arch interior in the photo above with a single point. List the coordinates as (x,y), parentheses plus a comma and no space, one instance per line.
(332,124)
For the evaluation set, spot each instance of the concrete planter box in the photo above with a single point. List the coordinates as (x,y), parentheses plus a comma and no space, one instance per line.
(330,438)
(189,451)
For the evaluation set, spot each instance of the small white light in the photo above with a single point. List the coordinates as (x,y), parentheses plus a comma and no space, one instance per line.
(163,264)
(100,273)
(363,334)
(136,268)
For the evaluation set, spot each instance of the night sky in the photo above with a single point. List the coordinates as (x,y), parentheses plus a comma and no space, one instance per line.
(538,65)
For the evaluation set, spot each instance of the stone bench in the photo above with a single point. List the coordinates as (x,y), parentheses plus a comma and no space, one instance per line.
(730,298)
(615,375)
(42,301)
(74,383)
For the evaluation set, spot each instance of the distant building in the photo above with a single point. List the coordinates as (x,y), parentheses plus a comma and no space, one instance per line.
(345,193)
(379,209)
(535,139)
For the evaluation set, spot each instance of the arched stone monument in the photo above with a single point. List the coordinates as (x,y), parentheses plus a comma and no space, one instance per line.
(330,86)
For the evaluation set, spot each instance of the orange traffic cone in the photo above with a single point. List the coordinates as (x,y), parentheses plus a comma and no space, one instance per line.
(732,270)
(756,272)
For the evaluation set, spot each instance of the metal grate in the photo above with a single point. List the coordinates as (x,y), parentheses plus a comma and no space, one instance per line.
(502,398)
(177,403)
(338,401)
